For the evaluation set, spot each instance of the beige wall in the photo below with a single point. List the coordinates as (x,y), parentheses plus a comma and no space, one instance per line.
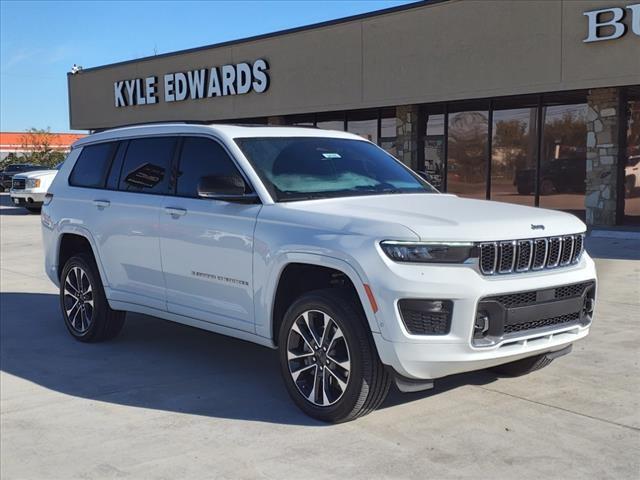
(460,49)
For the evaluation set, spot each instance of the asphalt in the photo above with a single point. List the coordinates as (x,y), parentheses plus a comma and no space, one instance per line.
(165,401)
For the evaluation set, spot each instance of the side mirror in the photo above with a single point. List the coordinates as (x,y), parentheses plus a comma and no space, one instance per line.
(230,188)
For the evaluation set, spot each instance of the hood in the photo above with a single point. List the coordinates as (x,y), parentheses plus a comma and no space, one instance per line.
(443,217)
(36,174)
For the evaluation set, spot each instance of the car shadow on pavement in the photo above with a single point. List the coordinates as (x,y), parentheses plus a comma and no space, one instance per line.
(8,208)
(156,364)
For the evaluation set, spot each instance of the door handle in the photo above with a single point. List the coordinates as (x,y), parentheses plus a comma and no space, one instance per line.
(175,212)
(101,204)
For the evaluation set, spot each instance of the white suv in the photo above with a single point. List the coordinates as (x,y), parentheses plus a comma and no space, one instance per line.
(319,244)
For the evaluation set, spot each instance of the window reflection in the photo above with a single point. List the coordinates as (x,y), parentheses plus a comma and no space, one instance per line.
(513,156)
(632,168)
(388,130)
(563,158)
(467,166)
(364,124)
(434,150)
(330,121)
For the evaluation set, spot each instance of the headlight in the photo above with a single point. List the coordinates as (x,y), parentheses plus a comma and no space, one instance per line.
(429,252)
(33,182)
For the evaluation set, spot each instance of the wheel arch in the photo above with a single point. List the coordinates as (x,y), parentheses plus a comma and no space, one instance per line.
(300,274)
(75,239)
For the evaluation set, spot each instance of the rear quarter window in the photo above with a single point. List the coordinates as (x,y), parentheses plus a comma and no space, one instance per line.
(91,168)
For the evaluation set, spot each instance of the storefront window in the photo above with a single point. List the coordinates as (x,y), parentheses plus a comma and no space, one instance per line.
(632,168)
(563,158)
(513,156)
(434,150)
(330,121)
(388,131)
(467,152)
(364,124)
(301,120)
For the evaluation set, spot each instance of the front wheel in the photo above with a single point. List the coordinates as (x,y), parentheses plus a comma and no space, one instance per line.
(328,361)
(85,309)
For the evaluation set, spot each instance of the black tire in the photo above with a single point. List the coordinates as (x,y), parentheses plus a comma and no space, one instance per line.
(629,186)
(522,367)
(367,382)
(102,323)
(34,209)
(547,187)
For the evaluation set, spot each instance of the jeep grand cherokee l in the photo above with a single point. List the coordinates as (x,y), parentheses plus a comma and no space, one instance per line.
(319,244)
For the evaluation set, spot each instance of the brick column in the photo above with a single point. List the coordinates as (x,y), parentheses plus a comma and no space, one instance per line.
(603,128)
(407,135)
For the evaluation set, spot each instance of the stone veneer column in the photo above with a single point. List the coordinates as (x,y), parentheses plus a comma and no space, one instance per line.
(603,124)
(407,134)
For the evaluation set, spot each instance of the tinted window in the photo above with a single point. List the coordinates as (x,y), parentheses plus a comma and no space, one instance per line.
(201,157)
(113,177)
(299,168)
(92,165)
(147,165)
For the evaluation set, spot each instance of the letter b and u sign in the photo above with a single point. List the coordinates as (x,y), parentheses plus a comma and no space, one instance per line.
(611,19)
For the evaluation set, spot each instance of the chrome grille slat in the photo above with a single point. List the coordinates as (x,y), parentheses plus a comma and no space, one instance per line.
(525,255)
(555,247)
(578,248)
(506,257)
(518,256)
(567,250)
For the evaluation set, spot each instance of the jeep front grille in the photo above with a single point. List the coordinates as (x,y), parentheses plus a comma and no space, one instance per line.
(517,256)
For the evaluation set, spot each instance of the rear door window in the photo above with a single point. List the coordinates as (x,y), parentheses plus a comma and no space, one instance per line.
(92,165)
(147,165)
(201,157)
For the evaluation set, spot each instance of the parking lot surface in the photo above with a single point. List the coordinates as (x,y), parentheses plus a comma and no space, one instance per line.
(168,401)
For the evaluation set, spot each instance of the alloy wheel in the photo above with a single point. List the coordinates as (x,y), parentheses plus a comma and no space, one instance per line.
(318,358)
(78,300)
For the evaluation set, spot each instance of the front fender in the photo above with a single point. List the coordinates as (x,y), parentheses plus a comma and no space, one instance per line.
(266,292)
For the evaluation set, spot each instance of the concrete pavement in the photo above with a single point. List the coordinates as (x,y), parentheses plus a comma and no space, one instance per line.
(168,401)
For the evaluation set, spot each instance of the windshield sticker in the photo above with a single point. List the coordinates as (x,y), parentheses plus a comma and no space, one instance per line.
(331,155)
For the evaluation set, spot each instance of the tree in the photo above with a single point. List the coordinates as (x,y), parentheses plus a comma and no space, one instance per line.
(37,145)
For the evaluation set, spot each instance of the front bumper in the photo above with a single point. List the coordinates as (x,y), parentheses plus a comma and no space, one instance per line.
(435,356)
(27,197)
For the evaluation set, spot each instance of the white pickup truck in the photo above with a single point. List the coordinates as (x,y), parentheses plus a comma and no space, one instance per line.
(319,244)
(28,189)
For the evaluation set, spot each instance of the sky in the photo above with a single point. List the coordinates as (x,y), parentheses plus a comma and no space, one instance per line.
(40,41)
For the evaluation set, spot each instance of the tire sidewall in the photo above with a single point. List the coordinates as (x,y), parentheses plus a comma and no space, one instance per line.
(350,322)
(99,301)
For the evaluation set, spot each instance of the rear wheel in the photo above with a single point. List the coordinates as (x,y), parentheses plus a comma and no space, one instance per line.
(629,185)
(547,187)
(86,313)
(328,361)
(522,367)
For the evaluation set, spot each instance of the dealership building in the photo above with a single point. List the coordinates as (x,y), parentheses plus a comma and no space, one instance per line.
(535,102)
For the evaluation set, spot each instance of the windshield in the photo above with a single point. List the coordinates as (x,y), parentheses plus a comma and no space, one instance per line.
(301,168)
